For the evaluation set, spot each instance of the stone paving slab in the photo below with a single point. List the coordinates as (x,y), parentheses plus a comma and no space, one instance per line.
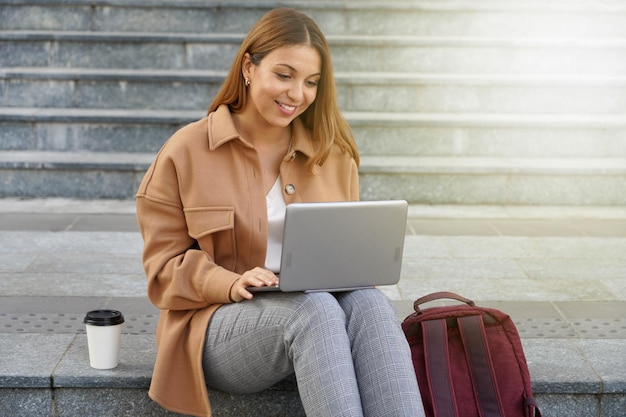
(72,284)
(29,360)
(137,355)
(607,359)
(119,215)
(534,320)
(481,267)
(49,314)
(557,366)
(583,366)
(64,222)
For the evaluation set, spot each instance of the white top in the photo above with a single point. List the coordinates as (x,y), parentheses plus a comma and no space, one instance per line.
(276,208)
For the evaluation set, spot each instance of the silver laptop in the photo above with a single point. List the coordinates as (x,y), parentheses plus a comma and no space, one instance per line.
(341,246)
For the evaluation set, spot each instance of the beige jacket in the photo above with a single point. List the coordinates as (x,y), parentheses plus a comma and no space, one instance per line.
(202,214)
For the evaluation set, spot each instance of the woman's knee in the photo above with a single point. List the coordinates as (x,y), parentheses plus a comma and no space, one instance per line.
(368,303)
(317,318)
(320,307)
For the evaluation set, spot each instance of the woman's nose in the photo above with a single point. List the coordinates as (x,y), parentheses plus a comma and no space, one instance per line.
(296,92)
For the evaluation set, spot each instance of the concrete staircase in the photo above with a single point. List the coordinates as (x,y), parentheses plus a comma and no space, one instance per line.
(452,102)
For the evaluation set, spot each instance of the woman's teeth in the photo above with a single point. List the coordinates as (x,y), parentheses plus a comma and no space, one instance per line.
(286,107)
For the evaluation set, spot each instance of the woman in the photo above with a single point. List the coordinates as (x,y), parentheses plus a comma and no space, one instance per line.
(211,209)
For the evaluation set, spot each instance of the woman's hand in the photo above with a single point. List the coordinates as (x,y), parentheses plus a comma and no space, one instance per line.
(257,277)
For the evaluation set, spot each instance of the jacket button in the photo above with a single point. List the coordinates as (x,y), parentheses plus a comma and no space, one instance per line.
(290,189)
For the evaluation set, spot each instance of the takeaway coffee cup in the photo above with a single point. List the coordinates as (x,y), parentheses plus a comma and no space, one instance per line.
(104,332)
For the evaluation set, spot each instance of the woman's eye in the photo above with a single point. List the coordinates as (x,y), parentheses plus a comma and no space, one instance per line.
(312,83)
(283,76)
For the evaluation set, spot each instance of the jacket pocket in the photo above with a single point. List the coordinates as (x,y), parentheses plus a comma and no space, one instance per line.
(214,230)
(203,221)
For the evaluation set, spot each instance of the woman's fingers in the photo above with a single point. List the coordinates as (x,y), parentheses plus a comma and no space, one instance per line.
(257,277)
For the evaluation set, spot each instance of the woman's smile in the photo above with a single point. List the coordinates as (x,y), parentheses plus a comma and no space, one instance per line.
(286,109)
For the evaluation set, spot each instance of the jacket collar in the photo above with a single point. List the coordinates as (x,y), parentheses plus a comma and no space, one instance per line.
(221,129)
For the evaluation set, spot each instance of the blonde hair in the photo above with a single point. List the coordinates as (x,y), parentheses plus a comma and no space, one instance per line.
(287,27)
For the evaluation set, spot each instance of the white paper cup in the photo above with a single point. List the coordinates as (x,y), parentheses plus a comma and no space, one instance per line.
(104,333)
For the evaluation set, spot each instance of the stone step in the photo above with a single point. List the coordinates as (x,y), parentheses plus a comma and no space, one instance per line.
(575,364)
(495,181)
(72,174)
(377,133)
(421,180)
(108,88)
(60,382)
(385,92)
(477,82)
(351,53)
(411,18)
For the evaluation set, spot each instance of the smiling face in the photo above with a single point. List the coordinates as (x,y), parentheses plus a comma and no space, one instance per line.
(282,85)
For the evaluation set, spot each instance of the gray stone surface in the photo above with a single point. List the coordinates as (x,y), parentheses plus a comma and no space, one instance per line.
(557,366)
(437,187)
(28,360)
(142,19)
(67,17)
(572,340)
(88,263)
(203,55)
(98,242)
(69,183)
(25,54)
(605,248)
(391,54)
(73,284)
(450,136)
(268,403)
(574,268)
(99,54)
(86,136)
(570,405)
(503,247)
(60,222)
(49,93)
(513,139)
(159,95)
(30,304)
(16,136)
(25,402)
(612,405)
(99,137)
(431,21)
(137,355)
(117,176)
(178,90)
(607,359)
(105,402)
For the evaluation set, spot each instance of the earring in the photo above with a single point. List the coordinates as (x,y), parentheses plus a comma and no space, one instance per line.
(247,82)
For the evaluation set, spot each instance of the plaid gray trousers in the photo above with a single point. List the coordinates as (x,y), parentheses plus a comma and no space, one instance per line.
(347,351)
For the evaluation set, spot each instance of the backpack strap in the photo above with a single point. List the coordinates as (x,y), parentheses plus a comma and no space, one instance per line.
(481,367)
(530,408)
(438,368)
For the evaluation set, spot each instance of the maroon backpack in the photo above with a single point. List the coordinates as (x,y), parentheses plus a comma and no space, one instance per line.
(468,360)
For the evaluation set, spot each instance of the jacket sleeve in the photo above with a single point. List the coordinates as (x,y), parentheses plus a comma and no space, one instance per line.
(180,275)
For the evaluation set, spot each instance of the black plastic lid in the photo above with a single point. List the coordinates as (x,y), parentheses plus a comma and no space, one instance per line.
(104,318)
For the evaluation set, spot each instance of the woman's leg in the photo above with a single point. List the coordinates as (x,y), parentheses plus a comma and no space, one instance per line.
(382,356)
(254,344)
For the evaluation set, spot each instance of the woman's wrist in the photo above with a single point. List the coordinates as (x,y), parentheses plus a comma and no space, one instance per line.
(233,288)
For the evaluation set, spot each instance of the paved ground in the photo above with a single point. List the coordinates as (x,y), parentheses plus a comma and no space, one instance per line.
(560,274)
(550,263)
